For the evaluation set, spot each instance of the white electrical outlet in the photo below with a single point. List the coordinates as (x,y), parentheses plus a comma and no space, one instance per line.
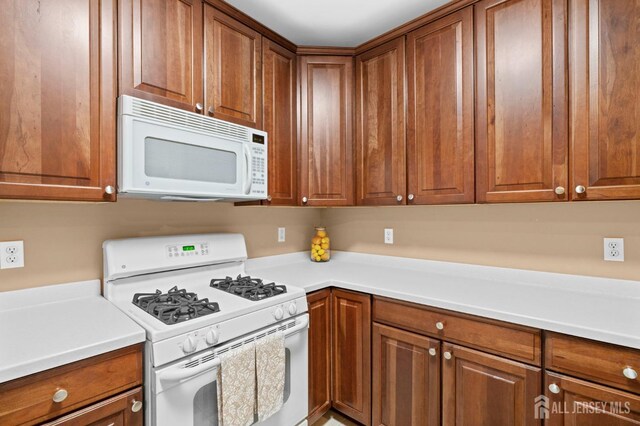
(281,235)
(388,235)
(11,254)
(614,249)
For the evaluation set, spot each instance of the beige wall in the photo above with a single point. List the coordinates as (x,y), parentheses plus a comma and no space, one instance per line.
(63,241)
(560,237)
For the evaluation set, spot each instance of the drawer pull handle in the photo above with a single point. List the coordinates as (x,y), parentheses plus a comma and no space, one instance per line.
(432,352)
(60,395)
(630,373)
(439,325)
(554,388)
(136,406)
(447,355)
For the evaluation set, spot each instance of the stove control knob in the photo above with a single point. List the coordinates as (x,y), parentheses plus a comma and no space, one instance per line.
(293,309)
(189,345)
(212,337)
(278,313)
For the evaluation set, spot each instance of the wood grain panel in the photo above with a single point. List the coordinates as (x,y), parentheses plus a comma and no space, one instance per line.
(57,118)
(326,130)
(581,403)
(161,51)
(351,354)
(319,353)
(440,136)
(406,378)
(380,125)
(521,129)
(233,77)
(482,389)
(279,74)
(604,55)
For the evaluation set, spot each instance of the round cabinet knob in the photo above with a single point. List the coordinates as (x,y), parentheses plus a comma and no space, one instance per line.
(432,352)
(136,406)
(210,110)
(559,190)
(189,345)
(109,190)
(447,355)
(199,107)
(439,325)
(211,337)
(304,200)
(410,197)
(278,313)
(553,388)
(268,197)
(293,309)
(60,395)
(630,373)
(399,198)
(580,189)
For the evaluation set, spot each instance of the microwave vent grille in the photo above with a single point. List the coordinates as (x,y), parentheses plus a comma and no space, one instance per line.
(189,120)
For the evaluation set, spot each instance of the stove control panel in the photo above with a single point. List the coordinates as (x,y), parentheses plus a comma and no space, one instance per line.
(187,250)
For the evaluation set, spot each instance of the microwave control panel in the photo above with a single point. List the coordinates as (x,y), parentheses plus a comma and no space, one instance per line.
(258,168)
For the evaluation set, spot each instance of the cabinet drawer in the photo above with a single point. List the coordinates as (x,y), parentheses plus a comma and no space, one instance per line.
(30,400)
(599,362)
(509,340)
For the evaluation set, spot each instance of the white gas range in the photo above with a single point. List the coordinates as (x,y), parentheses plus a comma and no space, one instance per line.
(193,298)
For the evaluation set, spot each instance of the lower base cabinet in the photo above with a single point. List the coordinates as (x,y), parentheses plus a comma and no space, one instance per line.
(319,353)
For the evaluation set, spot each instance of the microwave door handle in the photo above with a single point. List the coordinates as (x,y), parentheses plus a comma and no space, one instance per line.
(247,164)
(181,198)
(187,373)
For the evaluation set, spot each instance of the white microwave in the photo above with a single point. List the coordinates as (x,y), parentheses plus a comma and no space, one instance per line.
(169,154)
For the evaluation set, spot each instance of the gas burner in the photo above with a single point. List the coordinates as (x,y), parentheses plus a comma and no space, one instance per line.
(247,287)
(174,306)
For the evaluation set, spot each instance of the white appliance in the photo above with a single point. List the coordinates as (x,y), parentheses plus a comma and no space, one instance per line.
(182,356)
(170,154)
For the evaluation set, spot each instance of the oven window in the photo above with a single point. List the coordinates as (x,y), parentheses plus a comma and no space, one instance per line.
(175,160)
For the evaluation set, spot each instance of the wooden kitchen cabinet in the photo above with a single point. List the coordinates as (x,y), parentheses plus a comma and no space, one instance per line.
(380,125)
(351,354)
(279,78)
(521,106)
(326,130)
(483,389)
(577,402)
(440,132)
(161,51)
(406,378)
(319,353)
(232,69)
(604,87)
(58,113)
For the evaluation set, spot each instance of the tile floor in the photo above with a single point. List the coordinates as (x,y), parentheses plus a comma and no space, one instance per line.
(331,418)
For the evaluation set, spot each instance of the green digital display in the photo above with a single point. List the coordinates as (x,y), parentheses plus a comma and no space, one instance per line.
(188,248)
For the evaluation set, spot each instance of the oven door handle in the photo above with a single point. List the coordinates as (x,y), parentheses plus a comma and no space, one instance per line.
(186,373)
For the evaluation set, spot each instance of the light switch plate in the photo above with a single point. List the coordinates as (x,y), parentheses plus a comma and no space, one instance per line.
(11,254)
(614,249)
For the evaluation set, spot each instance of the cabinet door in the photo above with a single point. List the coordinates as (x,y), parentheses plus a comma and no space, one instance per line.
(326,126)
(232,54)
(118,410)
(521,126)
(58,110)
(351,362)
(483,389)
(161,51)
(380,125)
(576,402)
(279,114)
(319,354)
(440,152)
(604,57)
(406,378)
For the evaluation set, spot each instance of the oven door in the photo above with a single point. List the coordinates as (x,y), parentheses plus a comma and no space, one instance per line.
(163,161)
(178,397)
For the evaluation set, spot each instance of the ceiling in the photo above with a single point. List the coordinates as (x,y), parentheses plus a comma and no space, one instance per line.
(333,22)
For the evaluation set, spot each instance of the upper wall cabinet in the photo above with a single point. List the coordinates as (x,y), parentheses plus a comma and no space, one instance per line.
(604,61)
(233,81)
(161,51)
(440,152)
(326,130)
(380,125)
(57,116)
(521,127)
(279,121)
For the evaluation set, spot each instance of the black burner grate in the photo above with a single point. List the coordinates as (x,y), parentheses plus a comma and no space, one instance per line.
(247,287)
(174,306)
